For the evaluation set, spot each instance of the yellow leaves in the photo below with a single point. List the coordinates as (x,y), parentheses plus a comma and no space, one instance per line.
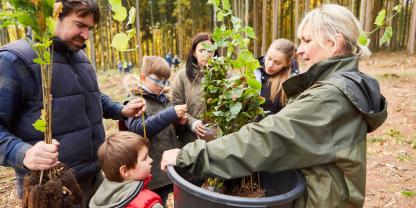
(57,9)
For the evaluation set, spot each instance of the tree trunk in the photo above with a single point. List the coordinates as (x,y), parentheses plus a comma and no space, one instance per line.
(139,49)
(274,19)
(92,49)
(307,7)
(412,31)
(256,30)
(296,20)
(363,10)
(264,28)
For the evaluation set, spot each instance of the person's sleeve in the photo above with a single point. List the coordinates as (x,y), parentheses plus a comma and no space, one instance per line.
(12,148)
(154,124)
(300,135)
(179,96)
(111,109)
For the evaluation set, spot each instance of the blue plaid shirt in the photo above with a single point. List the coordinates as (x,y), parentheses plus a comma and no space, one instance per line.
(14,81)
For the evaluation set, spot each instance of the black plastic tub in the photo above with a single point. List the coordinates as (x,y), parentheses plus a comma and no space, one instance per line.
(282,189)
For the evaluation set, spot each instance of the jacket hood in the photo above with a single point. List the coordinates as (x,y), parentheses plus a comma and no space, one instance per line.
(116,194)
(362,90)
(364,93)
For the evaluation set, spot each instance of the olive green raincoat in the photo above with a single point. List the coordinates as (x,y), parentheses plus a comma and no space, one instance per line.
(322,131)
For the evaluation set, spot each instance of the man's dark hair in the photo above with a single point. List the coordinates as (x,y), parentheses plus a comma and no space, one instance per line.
(82,8)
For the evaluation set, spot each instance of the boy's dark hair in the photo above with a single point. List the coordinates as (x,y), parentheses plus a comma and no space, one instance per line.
(157,66)
(121,148)
(82,8)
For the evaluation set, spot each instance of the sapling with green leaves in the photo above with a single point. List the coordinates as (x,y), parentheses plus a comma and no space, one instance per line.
(121,41)
(380,22)
(235,101)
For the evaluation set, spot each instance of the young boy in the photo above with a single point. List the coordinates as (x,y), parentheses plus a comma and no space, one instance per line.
(160,118)
(126,165)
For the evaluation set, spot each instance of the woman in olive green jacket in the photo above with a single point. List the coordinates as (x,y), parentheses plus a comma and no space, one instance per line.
(187,87)
(322,130)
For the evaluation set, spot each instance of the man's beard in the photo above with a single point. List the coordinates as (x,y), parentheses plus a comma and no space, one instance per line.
(74,48)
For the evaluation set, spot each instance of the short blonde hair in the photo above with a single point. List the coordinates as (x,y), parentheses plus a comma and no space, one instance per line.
(328,20)
(121,148)
(155,65)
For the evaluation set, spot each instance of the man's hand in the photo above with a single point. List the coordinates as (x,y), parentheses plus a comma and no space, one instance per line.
(134,108)
(168,158)
(180,110)
(42,156)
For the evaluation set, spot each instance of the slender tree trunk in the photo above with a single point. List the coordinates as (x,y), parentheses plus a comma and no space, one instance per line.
(139,49)
(412,31)
(296,20)
(256,30)
(363,7)
(307,7)
(274,19)
(264,27)
(92,50)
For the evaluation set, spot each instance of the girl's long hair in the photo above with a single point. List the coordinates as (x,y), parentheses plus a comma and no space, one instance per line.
(276,81)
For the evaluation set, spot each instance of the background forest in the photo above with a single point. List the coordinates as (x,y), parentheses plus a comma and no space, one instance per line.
(169,25)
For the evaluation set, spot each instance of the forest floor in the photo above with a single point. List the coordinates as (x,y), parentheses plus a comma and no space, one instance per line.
(391,158)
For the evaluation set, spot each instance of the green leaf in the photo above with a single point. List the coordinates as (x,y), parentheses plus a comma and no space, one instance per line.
(380,18)
(236,108)
(39,61)
(253,83)
(210,47)
(132,16)
(120,42)
(131,33)
(217,34)
(236,64)
(218,113)
(408,193)
(220,15)
(250,32)
(120,13)
(40,125)
(237,92)
(388,33)
(397,8)
(226,4)
(363,40)
(51,25)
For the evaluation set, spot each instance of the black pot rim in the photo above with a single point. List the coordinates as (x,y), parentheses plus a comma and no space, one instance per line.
(236,200)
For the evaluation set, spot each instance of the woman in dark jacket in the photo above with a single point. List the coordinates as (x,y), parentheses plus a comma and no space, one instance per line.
(276,69)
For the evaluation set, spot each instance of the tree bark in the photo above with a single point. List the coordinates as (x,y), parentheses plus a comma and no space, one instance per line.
(92,49)
(256,30)
(274,19)
(264,28)
(412,31)
(139,49)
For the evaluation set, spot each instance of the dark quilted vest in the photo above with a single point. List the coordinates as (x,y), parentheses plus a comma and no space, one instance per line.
(76,106)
